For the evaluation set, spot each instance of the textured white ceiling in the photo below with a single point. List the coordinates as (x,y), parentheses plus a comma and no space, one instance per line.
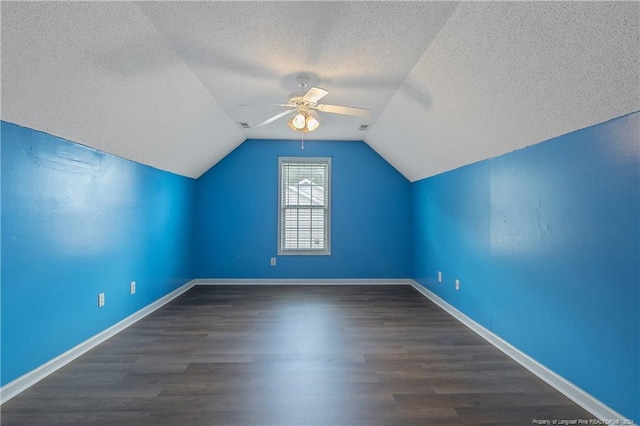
(98,73)
(502,76)
(448,83)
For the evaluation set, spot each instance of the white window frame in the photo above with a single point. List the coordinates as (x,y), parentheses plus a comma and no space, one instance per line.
(327,231)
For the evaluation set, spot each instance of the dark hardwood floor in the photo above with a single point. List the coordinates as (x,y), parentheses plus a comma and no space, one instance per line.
(293,355)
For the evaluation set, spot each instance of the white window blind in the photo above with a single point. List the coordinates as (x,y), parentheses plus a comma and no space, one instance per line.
(304,199)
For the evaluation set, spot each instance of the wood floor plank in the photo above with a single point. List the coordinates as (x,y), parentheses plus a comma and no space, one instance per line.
(293,355)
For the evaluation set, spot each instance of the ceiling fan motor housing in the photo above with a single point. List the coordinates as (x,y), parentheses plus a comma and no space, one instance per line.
(296,98)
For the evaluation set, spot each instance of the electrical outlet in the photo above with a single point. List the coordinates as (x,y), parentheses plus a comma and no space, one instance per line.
(273,261)
(439,276)
(100,300)
(458,285)
(132,287)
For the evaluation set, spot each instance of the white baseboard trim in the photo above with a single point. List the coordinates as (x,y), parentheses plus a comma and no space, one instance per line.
(304,281)
(587,401)
(29,379)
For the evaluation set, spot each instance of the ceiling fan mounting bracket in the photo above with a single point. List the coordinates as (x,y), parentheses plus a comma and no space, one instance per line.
(303,81)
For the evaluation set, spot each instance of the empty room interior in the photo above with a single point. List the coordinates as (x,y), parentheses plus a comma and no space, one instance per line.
(320,213)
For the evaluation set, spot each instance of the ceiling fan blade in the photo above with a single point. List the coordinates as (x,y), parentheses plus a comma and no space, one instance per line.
(315,94)
(339,109)
(274,118)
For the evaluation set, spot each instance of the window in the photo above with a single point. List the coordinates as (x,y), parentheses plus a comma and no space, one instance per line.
(304,200)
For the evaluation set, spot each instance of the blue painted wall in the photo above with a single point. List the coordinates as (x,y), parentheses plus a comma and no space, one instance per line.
(545,242)
(236,225)
(77,222)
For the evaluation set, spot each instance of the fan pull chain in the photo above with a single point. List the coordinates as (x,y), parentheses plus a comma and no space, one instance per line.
(302,140)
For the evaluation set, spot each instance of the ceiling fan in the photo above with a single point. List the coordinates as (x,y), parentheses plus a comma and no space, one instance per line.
(305,105)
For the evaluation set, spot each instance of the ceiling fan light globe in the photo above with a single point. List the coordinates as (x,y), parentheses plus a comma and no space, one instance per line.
(298,121)
(312,123)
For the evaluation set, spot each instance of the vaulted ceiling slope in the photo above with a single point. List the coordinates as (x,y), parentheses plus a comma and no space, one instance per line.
(448,83)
